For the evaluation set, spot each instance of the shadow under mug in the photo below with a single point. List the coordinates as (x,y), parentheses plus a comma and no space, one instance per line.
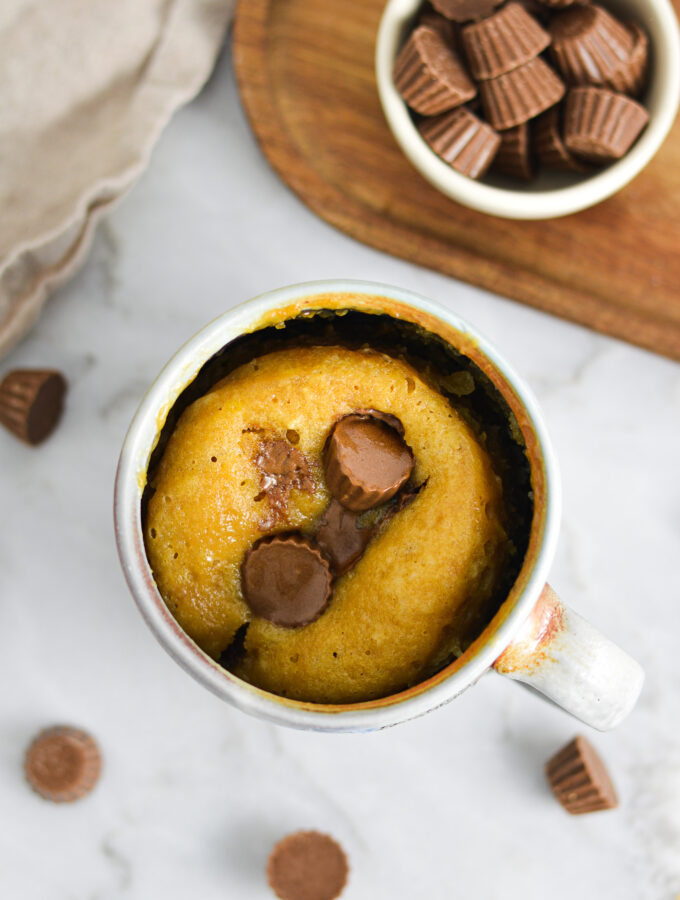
(533,638)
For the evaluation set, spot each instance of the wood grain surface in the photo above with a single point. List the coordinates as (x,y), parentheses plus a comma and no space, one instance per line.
(305,72)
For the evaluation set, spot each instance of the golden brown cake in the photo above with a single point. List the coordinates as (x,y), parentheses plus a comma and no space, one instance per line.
(218,489)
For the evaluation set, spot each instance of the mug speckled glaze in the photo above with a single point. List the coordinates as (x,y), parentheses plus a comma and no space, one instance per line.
(533,638)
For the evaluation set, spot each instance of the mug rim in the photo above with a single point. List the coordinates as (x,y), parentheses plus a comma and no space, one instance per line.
(143,435)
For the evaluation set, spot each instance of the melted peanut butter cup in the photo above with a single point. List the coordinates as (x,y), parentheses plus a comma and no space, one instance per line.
(430,75)
(367,462)
(340,537)
(286,580)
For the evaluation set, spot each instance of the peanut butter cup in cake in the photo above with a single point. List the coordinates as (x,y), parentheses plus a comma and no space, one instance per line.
(326,523)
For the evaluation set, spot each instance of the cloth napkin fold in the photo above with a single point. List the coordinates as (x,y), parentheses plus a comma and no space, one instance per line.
(86,87)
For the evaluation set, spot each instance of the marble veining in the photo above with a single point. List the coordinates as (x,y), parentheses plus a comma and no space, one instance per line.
(655,807)
(194,793)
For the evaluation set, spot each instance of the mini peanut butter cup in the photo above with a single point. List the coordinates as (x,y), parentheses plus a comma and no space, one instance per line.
(579,779)
(430,75)
(559,4)
(521,94)
(367,462)
(31,403)
(462,140)
(631,78)
(62,764)
(445,27)
(600,125)
(286,580)
(307,865)
(504,41)
(537,10)
(515,155)
(465,10)
(549,146)
(589,46)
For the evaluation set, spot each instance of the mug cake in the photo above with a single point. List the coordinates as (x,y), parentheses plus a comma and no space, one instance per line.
(331,521)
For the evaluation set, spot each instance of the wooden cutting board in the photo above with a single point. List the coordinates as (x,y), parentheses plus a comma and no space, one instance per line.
(305,72)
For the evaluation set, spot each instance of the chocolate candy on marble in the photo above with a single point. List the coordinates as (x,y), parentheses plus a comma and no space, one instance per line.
(31,403)
(579,780)
(62,764)
(307,865)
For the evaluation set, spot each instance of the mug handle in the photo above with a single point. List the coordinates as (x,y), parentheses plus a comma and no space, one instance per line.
(562,656)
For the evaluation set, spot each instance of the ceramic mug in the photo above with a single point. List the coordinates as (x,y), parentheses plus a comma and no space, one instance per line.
(533,638)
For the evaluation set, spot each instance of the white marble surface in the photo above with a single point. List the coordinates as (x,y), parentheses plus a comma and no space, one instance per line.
(194,793)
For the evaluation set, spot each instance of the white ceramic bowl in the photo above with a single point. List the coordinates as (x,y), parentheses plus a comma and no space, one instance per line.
(553,193)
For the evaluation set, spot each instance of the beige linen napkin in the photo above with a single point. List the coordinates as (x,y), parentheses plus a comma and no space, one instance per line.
(86,87)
